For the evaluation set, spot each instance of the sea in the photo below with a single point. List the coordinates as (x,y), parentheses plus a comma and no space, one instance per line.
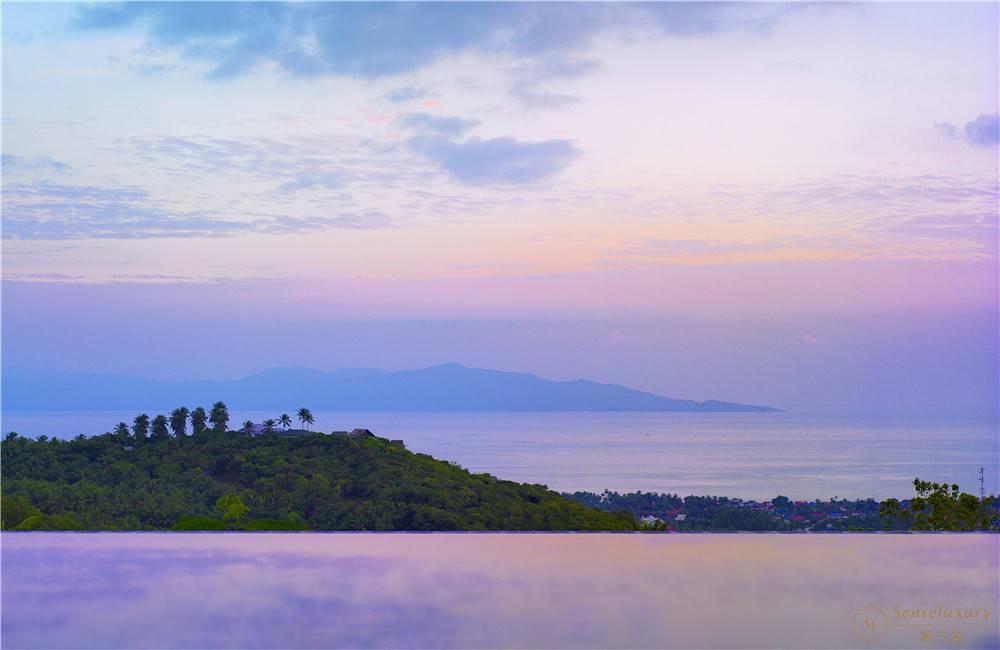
(745,455)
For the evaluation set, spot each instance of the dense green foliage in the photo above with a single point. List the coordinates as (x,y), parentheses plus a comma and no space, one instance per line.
(14,510)
(200,523)
(50,522)
(939,506)
(322,482)
(274,524)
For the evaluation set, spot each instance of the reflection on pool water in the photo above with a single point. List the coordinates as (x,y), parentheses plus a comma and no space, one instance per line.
(63,590)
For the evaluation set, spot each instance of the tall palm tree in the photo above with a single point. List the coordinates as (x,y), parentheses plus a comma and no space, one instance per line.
(198,419)
(161,427)
(140,426)
(248,427)
(285,420)
(219,417)
(178,421)
(305,417)
(269,426)
(122,432)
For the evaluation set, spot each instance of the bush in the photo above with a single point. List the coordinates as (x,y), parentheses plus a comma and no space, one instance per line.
(200,523)
(49,522)
(14,510)
(274,524)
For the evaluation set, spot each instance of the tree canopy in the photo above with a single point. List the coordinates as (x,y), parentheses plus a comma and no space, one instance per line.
(939,506)
(314,481)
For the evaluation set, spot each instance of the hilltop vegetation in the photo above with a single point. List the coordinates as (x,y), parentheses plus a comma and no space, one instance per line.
(313,481)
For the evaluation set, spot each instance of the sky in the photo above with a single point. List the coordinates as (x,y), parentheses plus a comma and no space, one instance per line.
(788,204)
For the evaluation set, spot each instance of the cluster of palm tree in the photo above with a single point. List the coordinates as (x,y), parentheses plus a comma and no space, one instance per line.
(284,420)
(161,426)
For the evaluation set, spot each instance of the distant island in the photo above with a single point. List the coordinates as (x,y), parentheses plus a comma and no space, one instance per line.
(444,388)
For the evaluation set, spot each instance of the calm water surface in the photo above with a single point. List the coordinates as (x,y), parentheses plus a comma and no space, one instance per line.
(64,590)
(751,455)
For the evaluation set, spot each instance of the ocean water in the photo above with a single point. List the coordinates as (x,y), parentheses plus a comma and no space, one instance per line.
(748,455)
(313,590)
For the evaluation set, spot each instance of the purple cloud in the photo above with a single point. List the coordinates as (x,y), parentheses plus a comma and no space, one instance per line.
(498,160)
(984,131)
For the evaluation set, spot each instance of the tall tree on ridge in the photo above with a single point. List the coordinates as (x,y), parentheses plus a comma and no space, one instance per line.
(198,419)
(140,426)
(285,420)
(161,428)
(122,432)
(178,421)
(219,417)
(248,427)
(305,417)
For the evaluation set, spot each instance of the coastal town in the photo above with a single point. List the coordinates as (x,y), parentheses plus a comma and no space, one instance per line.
(670,512)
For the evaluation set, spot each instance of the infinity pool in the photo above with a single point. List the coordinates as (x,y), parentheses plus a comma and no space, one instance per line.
(64,590)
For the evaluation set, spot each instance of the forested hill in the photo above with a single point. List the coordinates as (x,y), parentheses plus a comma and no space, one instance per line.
(227,480)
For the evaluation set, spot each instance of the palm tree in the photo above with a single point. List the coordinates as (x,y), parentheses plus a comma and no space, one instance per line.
(219,417)
(122,432)
(198,419)
(178,421)
(160,427)
(269,426)
(305,417)
(140,426)
(248,427)
(232,506)
(285,420)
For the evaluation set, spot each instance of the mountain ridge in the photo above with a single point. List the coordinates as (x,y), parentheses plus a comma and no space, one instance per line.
(447,387)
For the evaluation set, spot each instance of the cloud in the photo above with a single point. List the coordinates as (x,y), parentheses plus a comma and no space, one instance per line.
(947,129)
(530,97)
(665,249)
(363,220)
(529,81)
(285,164)
(496,161)
(64,212)
(441,125)
(13,164)
(406,94)
(838,216)
(303,39)
(309,180)
(372,40)
(984,131)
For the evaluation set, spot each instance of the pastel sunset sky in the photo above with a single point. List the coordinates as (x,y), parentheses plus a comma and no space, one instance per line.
(788,204)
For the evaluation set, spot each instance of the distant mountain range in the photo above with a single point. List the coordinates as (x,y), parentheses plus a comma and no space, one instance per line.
(445,388)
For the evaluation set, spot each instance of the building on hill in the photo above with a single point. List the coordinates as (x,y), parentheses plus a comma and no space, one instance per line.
(362,433)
